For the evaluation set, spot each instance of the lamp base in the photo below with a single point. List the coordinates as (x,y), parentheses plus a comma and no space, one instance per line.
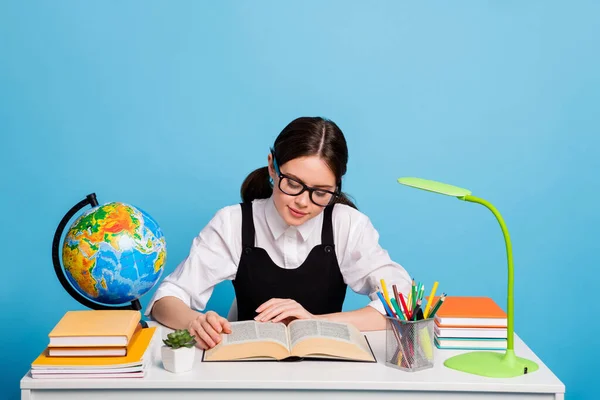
(491,364)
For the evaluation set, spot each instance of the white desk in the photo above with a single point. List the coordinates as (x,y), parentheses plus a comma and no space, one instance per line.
(304,379)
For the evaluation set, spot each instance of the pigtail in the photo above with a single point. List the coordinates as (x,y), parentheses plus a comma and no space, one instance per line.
(257,185)
(343,198)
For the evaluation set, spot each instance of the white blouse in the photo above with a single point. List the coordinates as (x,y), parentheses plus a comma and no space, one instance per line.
(215,253)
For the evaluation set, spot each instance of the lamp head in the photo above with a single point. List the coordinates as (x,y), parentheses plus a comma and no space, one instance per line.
(436,187)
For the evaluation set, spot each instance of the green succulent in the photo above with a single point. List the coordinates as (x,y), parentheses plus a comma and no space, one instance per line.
(180,338)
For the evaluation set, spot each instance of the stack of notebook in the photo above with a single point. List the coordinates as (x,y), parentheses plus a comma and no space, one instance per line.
(95,344)
(470,323)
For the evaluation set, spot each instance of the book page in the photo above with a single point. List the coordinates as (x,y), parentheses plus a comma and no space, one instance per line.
(306,329)
(251,340)
(328,338)
(251,331)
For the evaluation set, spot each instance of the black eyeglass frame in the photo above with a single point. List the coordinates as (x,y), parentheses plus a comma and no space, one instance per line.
(311,190)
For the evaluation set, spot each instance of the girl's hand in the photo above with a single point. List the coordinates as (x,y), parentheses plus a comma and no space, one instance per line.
(207,329)
(281,310)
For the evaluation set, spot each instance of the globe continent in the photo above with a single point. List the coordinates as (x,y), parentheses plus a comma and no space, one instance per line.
(114,253)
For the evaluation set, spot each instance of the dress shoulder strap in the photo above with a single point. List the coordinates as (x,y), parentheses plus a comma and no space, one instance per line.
(327,231)
(248,234)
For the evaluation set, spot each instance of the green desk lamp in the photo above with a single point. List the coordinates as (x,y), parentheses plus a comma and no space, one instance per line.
(485,363)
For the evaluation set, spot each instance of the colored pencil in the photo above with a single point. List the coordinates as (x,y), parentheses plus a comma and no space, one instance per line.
(405,306)
(437,305)
(430,300)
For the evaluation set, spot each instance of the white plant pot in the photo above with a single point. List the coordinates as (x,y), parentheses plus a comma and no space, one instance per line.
(179,360)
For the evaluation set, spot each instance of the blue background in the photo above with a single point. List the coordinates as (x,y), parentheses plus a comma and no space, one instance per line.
(168,105)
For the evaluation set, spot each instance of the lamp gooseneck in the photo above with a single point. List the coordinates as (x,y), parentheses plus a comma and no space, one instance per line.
(510,299)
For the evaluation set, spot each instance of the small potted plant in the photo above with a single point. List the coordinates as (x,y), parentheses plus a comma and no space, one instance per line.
(178,351)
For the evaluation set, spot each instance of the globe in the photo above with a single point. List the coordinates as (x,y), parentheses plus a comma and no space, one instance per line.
(114,253)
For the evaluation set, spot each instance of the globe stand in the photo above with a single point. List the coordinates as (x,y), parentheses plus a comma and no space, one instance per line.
(58,268)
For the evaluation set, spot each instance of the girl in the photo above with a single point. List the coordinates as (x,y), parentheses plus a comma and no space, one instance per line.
(291,248)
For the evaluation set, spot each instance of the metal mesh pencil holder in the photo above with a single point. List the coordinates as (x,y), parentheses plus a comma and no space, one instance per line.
(409,344)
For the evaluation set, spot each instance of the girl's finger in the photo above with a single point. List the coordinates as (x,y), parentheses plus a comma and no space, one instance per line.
(283,316)
(214,335)
(271,307)
(200,343)
(213,320)
(226,325)
(276,311)
(206,338)
(268,303)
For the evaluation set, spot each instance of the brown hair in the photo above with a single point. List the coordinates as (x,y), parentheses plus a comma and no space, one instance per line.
(303,137)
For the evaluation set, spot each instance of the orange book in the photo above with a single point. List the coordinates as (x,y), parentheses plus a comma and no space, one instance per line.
(457,311)
(95,328)
(135,352)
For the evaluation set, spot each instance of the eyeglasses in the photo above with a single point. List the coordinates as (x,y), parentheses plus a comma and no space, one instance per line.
(293,187)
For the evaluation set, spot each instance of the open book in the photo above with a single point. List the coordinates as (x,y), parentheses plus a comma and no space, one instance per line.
(311,339)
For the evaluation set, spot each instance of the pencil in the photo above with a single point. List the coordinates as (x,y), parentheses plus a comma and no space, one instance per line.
(385,292)
(395,289)
(405,306)
(415,312)
(413,297)
(430,300)
(388,311)
(399,312)
(438,305)
(420,314)
(399,362)
(394,328)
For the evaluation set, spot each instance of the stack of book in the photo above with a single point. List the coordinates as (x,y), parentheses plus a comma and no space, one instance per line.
(470,323)
(95,344)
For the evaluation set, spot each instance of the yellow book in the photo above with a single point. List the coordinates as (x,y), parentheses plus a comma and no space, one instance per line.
(135,352)
(95,328)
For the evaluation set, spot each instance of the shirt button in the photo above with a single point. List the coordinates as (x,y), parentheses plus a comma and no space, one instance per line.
(328,249)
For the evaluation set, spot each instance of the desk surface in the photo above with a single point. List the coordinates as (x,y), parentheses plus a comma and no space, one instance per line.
(317,375)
